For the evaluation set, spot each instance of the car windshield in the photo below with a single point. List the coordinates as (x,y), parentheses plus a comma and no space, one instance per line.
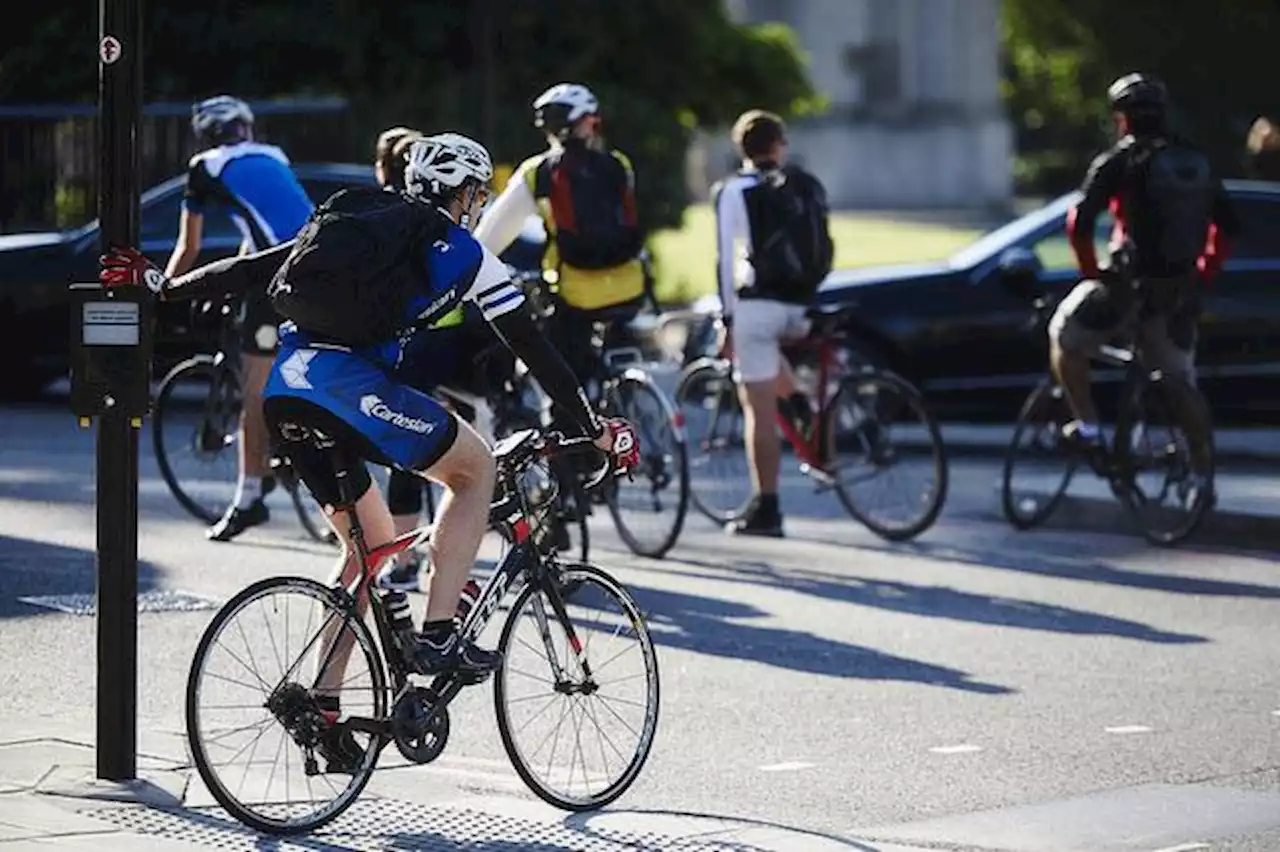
(1010,233)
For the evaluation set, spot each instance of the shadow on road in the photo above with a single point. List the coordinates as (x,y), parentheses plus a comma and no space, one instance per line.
(714,626)
(1060,559)
(718,826)
(35,568)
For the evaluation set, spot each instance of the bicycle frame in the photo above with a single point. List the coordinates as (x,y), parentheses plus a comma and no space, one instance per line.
(809,449)
(520,564)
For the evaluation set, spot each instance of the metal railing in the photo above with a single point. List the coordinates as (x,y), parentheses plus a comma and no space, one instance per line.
(49,152)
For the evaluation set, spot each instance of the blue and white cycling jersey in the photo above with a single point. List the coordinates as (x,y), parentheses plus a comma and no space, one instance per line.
(358,385)
(256,186)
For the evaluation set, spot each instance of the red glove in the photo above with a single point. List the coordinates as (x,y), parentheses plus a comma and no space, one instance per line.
(626,446)
(123,267)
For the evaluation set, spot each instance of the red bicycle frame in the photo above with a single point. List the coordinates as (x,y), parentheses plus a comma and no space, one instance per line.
(809,449)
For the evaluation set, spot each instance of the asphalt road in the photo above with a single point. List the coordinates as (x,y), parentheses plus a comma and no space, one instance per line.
(979,688)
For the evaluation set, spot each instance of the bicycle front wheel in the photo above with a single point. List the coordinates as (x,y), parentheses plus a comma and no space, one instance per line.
(719,480)
(885,455)
(649,507)
(574,667)
(194,432)
(276,676)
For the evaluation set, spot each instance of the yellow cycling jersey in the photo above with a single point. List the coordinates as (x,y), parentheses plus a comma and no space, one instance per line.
(585,289)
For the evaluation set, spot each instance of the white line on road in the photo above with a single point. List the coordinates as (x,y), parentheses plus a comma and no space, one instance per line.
(1128,729)
(788,766)
(963,748)
(1185,847)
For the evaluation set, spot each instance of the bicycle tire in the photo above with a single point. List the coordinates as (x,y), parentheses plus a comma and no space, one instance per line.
(1136,386)
(1043,399)
(327,597)
(578,576)
(696,379)
(915,400)
(216,374)
(642,384)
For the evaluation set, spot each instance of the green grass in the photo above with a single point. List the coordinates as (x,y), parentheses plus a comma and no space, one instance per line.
(686,258)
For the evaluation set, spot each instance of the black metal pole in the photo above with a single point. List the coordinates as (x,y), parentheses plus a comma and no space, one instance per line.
(120,104)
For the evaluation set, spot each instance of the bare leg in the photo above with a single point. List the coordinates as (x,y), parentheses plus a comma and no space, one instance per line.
(376,523)
(254,444)
(1071,369)
(764,451)
(468,472)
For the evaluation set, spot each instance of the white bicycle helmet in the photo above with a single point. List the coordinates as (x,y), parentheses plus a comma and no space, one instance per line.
(215,118)
(559,108)
(439,166)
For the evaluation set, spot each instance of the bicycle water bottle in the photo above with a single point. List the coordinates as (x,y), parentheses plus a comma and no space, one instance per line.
(470,594)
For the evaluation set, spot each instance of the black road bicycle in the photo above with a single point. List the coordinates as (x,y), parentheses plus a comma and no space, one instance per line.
(291,697)
(1159,462)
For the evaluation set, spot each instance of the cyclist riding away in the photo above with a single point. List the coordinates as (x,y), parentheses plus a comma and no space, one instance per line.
(585,194)
(254,184)
(1173,227)
(444,354)
(774,249)
(352,294)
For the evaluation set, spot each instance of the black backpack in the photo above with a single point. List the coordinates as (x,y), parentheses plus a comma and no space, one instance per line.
(355,266)
(1177,189)
(792,250)
(593,205)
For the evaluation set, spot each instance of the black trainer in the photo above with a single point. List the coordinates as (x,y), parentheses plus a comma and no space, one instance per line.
(440,650)
(762,518)
(237,520)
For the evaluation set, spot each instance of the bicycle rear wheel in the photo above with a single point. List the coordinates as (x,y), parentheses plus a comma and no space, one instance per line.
(1037,453)
(649,508)
(194,433)
(255,720)
(1164,441)
(878,432)
(579,665)
(719,479)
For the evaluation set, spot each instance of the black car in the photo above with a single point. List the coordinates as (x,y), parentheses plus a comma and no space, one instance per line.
(36,268)
(963,328)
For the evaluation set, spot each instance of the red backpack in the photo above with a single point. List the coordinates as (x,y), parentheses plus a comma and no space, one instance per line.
(593,207)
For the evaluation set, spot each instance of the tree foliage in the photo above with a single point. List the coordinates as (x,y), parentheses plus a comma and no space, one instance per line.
(661,68)
(1062,54)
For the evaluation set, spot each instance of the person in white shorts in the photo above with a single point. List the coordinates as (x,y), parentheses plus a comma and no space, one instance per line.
(763,212)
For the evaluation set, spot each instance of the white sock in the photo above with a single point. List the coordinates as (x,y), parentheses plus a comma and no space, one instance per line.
(248,489)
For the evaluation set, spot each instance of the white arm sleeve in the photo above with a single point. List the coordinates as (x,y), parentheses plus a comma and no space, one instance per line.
(492,290)
(505,218)
(731,233)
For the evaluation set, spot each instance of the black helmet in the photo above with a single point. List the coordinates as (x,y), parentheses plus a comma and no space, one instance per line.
(1138,93)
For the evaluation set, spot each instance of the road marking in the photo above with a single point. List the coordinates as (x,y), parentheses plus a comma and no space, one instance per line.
(1128,729)
(963,748)
(1185,847)
(788,766)
(1275,712)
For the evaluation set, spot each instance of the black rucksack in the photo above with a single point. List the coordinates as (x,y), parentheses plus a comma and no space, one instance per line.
(792,250)
(355,266)
(1177,189)
(593,206)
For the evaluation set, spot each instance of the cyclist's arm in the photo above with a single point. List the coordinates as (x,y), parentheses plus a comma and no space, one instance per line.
(231,276)
(504,307)
(732,230)
(1101,184)
(196,196)
(1224,227)
(505,218)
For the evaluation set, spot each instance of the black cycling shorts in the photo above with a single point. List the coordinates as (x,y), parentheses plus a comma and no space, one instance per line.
(319,469)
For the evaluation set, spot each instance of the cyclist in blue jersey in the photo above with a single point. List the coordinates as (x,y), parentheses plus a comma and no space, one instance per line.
(255,185)
(352,394)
